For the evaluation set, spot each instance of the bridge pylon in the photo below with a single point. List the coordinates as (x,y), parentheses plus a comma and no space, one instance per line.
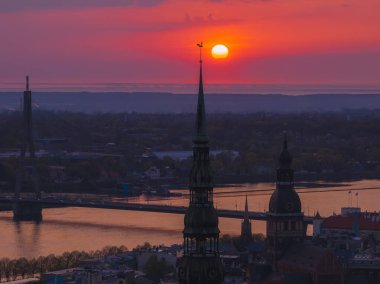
(21,211)
(24,211)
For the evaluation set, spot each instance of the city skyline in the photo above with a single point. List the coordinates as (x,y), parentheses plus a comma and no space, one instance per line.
(115,168)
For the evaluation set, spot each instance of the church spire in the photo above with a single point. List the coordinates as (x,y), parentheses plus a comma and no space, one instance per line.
(246,227)
(200,174)
(201,261)
(285,158)
(200,127)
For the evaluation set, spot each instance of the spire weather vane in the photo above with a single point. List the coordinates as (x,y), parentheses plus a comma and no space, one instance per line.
(200,45)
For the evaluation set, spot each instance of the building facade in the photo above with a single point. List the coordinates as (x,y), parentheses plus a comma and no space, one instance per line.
(351,223)
(319,265)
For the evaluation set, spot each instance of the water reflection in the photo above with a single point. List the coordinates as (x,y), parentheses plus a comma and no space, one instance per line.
(66,229)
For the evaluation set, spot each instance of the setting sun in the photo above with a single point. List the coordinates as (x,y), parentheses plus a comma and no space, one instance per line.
(219,51)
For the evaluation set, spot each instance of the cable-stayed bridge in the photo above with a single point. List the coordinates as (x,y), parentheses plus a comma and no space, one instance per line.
(32,207)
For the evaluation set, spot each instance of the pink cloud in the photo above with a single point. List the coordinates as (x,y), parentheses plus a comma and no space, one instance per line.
(154,41)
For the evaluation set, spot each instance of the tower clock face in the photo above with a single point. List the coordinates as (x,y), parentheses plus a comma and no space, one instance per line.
(289,206)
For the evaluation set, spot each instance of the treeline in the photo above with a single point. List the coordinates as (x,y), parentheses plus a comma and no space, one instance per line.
(13,269)
(335,145)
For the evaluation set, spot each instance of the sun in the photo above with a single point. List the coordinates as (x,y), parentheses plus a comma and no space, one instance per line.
(219,51)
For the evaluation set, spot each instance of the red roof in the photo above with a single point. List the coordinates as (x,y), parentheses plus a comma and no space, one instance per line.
(366,222)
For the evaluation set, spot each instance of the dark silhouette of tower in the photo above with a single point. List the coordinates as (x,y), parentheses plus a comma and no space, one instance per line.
(285,225)
(27,145)
(246,226)
(201,262)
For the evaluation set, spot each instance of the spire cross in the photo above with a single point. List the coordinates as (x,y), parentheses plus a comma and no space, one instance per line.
(200,45)
(27,83)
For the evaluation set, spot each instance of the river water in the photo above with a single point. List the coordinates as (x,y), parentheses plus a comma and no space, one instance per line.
(68,229)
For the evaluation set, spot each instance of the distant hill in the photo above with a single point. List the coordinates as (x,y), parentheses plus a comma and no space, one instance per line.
(185,103)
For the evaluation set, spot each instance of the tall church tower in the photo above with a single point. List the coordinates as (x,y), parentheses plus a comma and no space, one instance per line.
(285,224)
(201,263)
(246,226)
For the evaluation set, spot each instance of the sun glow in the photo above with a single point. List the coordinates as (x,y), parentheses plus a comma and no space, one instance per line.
(219,51)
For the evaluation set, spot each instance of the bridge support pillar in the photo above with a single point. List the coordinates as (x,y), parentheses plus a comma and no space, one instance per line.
(27,212)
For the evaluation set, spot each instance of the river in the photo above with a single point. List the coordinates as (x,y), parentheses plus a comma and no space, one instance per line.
(68,229)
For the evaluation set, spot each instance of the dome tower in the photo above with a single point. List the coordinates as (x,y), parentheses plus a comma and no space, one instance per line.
(285,224)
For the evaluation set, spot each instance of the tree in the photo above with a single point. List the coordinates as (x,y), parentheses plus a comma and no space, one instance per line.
(145,246)
(67,258)
(225,239)
(33,267)
(258,237)
(156,269)
(21,267)
(6,268)
(11,269)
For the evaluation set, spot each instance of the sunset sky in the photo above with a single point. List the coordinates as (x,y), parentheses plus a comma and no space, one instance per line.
(154,41)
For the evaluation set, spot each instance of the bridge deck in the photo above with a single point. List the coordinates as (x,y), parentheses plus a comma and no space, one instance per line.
(53,203)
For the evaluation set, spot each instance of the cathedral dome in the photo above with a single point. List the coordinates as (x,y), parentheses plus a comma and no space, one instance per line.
(285,200)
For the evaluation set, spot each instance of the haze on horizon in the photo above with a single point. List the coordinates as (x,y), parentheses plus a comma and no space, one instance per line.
(153,41)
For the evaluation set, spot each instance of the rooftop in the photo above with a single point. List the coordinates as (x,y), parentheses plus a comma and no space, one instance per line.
(304,255)
(366,221)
